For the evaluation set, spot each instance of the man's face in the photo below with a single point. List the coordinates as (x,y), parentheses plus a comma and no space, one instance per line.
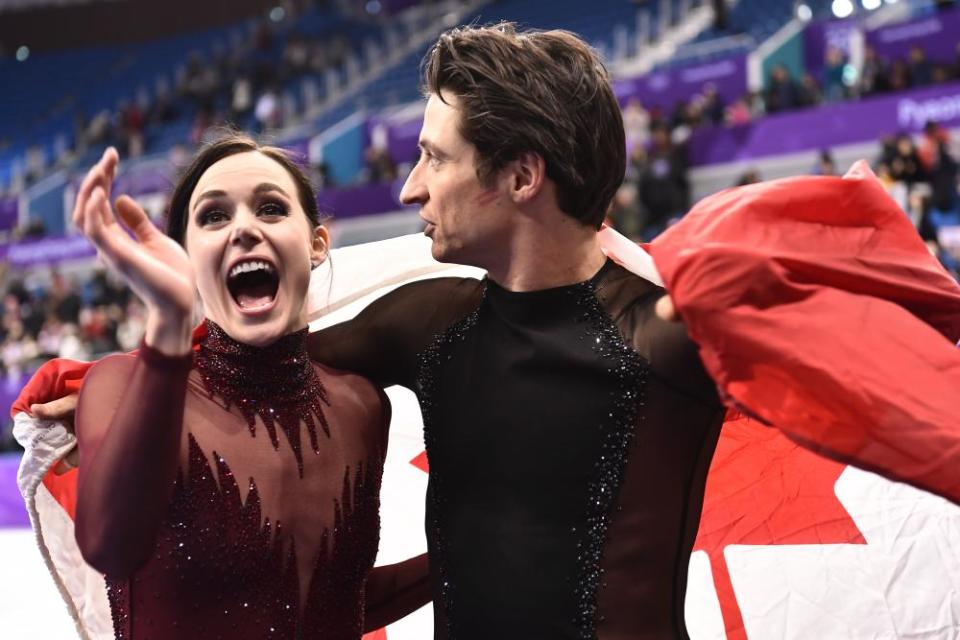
(468,221)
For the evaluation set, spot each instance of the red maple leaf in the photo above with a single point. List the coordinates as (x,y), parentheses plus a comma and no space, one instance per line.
(764,489)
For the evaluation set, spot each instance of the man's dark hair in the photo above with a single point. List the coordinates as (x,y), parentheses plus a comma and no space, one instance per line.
(229,145)
(545,92)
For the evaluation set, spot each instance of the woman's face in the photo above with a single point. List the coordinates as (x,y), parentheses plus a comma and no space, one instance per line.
(252,248)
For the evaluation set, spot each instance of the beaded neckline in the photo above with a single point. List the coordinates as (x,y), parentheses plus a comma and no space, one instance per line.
(278,383)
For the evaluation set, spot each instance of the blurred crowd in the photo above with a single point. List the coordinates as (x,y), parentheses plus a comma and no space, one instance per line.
(78,316)
(922,176)
(646,125)
(68,317)
(247,83)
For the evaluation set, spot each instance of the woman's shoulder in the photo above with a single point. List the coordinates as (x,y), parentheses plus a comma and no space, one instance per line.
(115,366)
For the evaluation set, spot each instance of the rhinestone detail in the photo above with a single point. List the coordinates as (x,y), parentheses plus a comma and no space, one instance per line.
(630,370)
(277,383)
(255,585)
(429,359)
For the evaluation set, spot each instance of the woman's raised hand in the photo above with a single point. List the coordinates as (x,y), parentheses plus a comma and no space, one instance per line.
(155,267)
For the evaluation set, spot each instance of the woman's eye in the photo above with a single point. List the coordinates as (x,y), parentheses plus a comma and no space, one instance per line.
(212,216)
(272,209)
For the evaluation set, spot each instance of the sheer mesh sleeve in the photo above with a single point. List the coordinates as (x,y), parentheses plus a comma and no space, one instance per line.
(396,590)
(129,421)
(382,342)
(674,358)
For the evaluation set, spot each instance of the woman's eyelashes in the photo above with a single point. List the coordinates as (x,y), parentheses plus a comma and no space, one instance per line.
(273,208)
(218,215)
(211,216)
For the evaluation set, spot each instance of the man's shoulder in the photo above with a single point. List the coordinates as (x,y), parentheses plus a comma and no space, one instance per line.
(454,294)
(620,289)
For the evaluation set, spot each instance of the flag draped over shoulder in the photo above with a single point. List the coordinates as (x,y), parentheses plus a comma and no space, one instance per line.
(819,311)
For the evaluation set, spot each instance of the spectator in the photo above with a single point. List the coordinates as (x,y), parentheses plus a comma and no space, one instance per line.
(900,79)
(929,148)
(921,72)
(664,190)
(825,165)
(133,121)
(636,123)
(873,75)
(267,111)
(739,112)
(379,166)
(944,209)
(896,189)
(835,63)
(241,98)
(624,214)
(904,163)
(712,106)
(63,300)
(781,91)
(808,95)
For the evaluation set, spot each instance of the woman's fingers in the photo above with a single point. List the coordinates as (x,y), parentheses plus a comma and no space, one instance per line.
(135,218)
(101,227)
(111,159)
(101,174)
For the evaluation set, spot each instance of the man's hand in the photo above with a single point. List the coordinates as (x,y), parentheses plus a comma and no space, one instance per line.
(61,410)
(665,309)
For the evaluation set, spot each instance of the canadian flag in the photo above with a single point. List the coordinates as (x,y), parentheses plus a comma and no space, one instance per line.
(821,316)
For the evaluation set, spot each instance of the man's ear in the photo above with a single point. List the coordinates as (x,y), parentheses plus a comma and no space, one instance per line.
(319,246)
(528,174)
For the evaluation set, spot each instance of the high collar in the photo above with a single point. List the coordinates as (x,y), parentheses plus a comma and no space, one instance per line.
(277,382)
(541,304)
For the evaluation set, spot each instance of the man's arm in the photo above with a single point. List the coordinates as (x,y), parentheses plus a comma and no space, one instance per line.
(382,342)
(395,591)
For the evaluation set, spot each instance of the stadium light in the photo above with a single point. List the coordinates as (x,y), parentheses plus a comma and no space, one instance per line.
(23,53)
(842,8)
(374,7)
(804,13)
(870,5)
(277,14)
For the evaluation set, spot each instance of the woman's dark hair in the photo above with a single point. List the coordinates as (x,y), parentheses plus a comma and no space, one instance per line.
(541,91)
(229,145)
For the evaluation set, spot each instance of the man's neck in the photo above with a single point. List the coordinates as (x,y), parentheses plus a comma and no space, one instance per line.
(543,257)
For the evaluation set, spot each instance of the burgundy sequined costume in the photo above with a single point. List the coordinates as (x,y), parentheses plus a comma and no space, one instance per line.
(270,467)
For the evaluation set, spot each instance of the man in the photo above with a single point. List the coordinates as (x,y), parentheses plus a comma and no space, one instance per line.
(568,428)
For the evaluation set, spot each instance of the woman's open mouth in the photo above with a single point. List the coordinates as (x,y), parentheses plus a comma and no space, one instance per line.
(253,284)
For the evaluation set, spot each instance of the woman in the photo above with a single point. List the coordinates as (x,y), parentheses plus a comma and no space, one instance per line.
(229,488)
